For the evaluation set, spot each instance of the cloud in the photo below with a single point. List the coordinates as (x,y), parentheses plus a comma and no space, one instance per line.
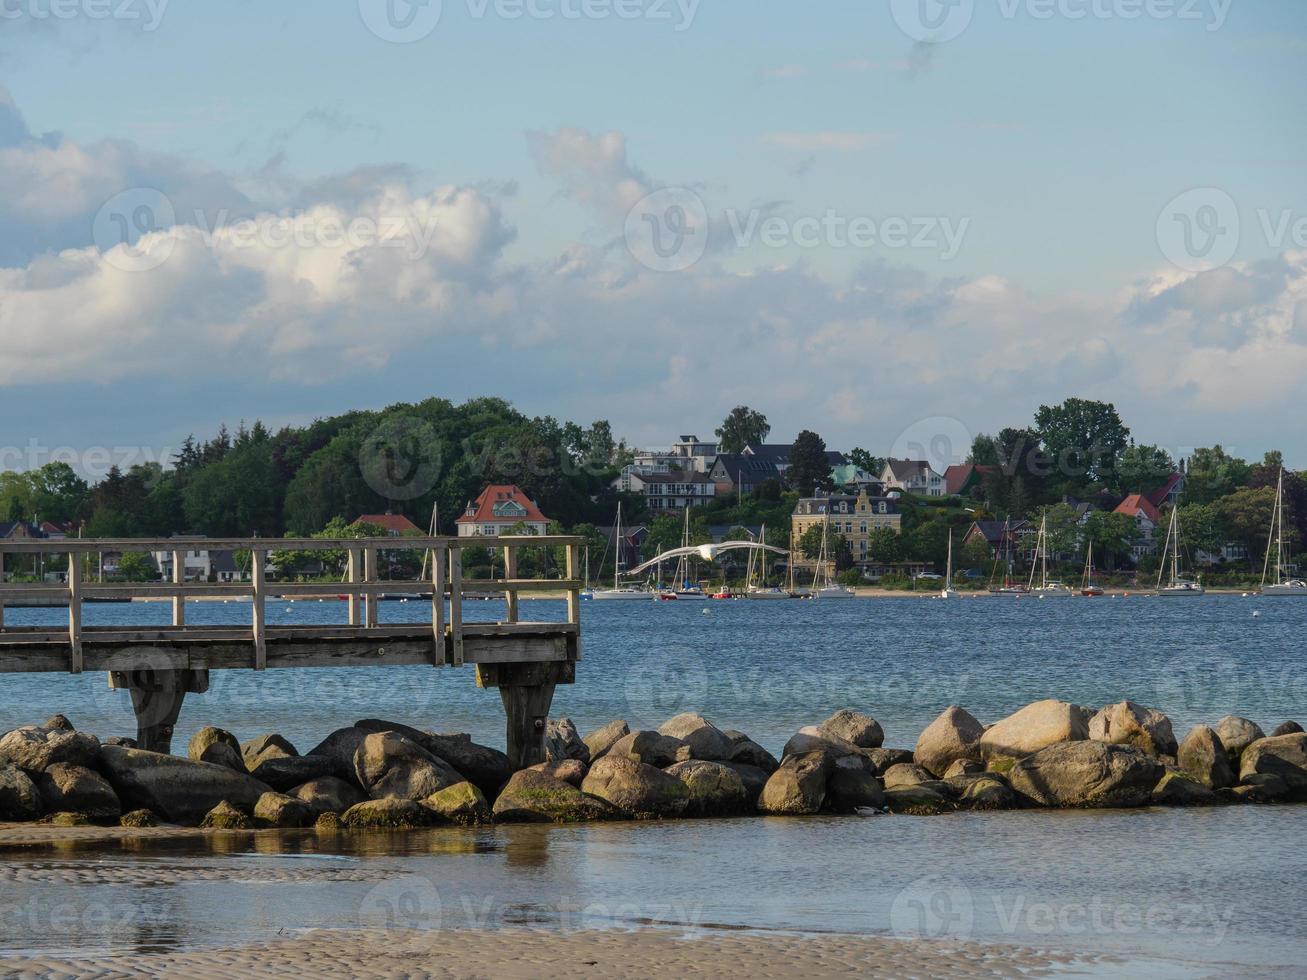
(828,140)
(592,170)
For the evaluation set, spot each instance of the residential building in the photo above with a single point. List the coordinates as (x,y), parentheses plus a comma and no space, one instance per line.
(199,563)
(1147,518)
(499,509)
(779,454)
(687,453)
(1167,496)
(671,491)
(850,477)
(742,473)
(912,476)
(962,478)
(1002,537)
(629,550)
(395,525)
(854,517)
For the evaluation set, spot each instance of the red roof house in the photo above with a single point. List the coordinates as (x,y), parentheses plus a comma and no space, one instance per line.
(500,508)
(1136,505)
(396,525)
(961,477)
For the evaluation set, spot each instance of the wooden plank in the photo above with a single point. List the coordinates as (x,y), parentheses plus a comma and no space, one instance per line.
(574,593)
(510,575)
(179,578)
(439,559)
(143,545)
(355,575)
(2,589)
(259,619)
(456,605)
(369,576)
(75,613)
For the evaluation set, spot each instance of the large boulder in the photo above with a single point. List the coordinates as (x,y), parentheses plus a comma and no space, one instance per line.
(76,789)
(810,738)
(179,790)
(285,773)
(953,736)
(340,747)
(753,778)
(388,764)
(853,784)
(563,742)
(330,794)
(259,750)
(1280,755)
(636,787)
(215,745)
(533,797)
(390,813)
(746,751)
(1237,734)
(35,749)
(461,803)
(486,768)
(1285,728)
(1034,727)
(1127,723)
(707,742)
(1202,755)
(651,748)
(280,810)
(569,770)
(19,799)
(226,816)
(1180,789)
(799,786)
(1086,774)
(906,774)
(602,739)
(716,790)
(883,759)
(963,767)
(853,726)
(917,801)
(982,791)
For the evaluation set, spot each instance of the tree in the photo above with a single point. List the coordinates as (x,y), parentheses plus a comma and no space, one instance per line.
(137,567)
(976,554)
(837,546)
(1141,468)
(1112,535)
(1247,517)
(1064,532)
(1020,470)
(885,544)
(809,469)
(866,462)
(1083,440)
(742,427)
(1212,474)
(1204,527)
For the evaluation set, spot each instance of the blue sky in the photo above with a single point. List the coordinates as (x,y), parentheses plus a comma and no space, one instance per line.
(1050,145)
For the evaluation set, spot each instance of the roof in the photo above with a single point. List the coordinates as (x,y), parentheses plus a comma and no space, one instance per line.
(502,503)
(807,506)
(755,467)
(8,529)
(993,530)
(393,523)
(222,561)
(959,476)
(779,453)
(1137,504)
(906,469)
(1159,495)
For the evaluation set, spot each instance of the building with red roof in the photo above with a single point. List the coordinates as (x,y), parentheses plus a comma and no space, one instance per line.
(500,508)
(396,525)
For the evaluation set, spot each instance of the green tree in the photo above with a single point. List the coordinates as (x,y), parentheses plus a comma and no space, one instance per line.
(1141,468)
(58,493)
(1212,474)
(742,427)
(1112,535)
(885,544)
(866,461)
(135,566)
(809,470)
(1083,440)
(1247,515)
(1203,527)
(1020,470)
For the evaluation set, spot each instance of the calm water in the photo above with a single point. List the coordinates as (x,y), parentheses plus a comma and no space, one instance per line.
(1222,887)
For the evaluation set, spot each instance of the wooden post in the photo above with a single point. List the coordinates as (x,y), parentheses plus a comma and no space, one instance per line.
(75,613)
(157,697)
(355,566)
(510,573)
(2,582)
(456,604)
(439,557)
(573,594)
(179,579)
(370,575)
(527,691)
(258,560)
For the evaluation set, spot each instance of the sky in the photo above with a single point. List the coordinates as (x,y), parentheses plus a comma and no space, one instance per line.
(896,222)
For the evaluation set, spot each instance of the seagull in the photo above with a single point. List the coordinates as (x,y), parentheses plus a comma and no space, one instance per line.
(708,552)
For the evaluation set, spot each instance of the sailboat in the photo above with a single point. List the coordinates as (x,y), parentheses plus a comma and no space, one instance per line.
(795,593)
(619,592)
(588,591)
(1009,589)
(1087,584)
(681,584)
(1177,588)
(1047,588)
(949,592)
(761,590)
(827,587)
(1282,584)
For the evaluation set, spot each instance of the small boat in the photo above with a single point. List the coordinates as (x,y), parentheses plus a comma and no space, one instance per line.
(619,592)
(1009,589)
(723,594)
(825,586)
(1087,585)
(1283,584)
(948,592)
(1047,588)
(1177,588)
(760,589)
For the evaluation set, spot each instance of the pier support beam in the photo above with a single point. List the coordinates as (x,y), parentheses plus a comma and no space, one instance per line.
(527,690)
(157,697)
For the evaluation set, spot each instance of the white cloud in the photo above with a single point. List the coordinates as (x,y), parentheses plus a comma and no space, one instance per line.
(593,170)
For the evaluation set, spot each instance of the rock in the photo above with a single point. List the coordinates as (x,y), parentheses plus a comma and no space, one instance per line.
(121,740)
(1203,756)
(963,767)
(1127,723)
(882,759)
(533,797)
(66,818)
(1262,788)
(813,739)
(636,787)
(280,810)
(982,791)
(19,799)
(917,801)
(486,768)
(1288,728)
(746,751)
(1180,789)
(1086,774)
(853,726)
(853,784)
(798,786)
(138,818)
(35,749)
(952,737)
(905,774)
(340,747)
(716,790)
(330,794)
(327,823)
(569,771)
(67,787)
(1236,734)
(1284,756)
(651,748)
(224,816)
(259,750)
(707,742)
(563,742)
(602,739)
(179,790)
(284,773)
(1034,727)
(390,813)
(388,764)
(58,723)
(214,745)
(461,803)
(754,780)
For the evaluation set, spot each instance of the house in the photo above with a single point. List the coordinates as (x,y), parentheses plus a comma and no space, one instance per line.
(852,477)
(499,509)
(1147,518)
(629,550)
(1167,496)
(20,531)
(687,453)
(1002,537)
(912,476)
(962,478)
(198,562)
(667,490)
(742,473)
(779,454)
(854,517)
(395,525)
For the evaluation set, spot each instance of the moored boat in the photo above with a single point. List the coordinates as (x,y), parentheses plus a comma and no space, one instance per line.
(1281,582)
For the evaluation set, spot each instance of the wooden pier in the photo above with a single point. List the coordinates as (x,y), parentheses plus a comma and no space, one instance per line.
(160,665)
